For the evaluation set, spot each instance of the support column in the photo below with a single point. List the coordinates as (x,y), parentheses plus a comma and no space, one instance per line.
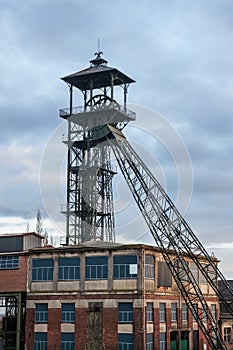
(18,325)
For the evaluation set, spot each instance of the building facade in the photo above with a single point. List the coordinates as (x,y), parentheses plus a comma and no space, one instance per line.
(226,319)
(108,296)
(14,253)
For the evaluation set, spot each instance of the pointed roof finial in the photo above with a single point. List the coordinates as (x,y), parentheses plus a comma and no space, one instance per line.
(98,61)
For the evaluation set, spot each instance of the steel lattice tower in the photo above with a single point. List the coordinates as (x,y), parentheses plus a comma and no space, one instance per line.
(89,208)
(93,131)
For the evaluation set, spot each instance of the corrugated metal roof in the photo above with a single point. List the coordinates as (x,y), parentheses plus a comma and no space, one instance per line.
(225,293)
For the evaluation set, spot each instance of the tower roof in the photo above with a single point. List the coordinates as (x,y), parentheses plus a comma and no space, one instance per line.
(98,75)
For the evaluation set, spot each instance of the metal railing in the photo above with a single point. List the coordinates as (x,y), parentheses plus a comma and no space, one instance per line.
(81,109)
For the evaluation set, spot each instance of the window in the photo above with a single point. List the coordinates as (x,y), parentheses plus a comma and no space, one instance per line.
(149,341)
(40,341)
(195,312)
(162,312)
(125,312)
(204,314)
(68,269)
(68,312)
(213,274)
(213,311)
(42,269)
(202,277)
(96,267)
(227,334)
(173,312)
(164,275)
(9,262)
(162,341)
(194,271)
(67,341)
(149,266)
(149,312)
(125,341)
(184,312)
(125,266)
(41,313)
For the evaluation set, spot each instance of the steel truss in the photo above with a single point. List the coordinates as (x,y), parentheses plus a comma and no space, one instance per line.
(89,206)
(174,237)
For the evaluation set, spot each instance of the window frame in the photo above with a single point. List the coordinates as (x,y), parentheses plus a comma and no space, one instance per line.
(149,312)
(227,334)
(149,267)
(162,312)
(125,312)
(162,341)
(95,270)
(121,270)
(125,341)
(67,269)
(40,344)
(41,313)
(184,313)
(149,341)
(9,262)
(43,273)
(67,344)
(68,316)
(173,312)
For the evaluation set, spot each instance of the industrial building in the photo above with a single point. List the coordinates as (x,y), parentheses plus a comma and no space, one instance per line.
(99,295)
(225,317)
(92,293)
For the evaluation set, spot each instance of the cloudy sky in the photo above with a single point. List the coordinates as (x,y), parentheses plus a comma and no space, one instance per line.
(181,55)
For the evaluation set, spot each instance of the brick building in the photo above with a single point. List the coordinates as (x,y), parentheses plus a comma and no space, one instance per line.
(14,252)
(108,296)
(226,319)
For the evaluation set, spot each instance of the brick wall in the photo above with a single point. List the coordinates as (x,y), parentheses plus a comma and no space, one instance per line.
(14,280)
(54,328)
(29,326)
(138,329)
(81,328)
(110,324)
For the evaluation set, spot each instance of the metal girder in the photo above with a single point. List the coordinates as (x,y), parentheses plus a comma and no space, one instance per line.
(89,208)
(175,238)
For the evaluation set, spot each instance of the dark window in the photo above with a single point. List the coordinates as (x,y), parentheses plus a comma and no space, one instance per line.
(164,275)
(68,312)
(42,269)
(9,262)
(96,267)
(125,266)
(184,312)
(149,341)
(162,312)
(149,312)
(69,269)
(67,341)
(40,341)
(162,341)
(149,266)
(173,312)
(125,341)
(125,312)
(195,312)
(41,315)
(227,334)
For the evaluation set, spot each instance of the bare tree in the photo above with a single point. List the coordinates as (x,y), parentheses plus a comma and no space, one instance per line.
(39,223)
